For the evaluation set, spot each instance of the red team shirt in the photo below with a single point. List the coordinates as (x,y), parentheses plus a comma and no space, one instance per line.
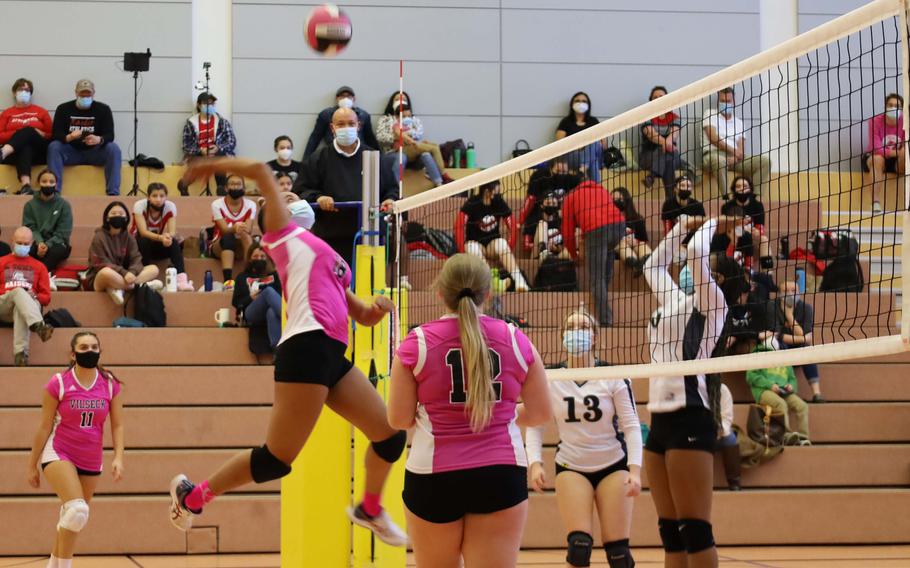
(221,211)
(443,439)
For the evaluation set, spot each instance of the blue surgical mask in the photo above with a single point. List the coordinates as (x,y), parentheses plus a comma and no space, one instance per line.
(346,136)
(83,102)
(21,250)
(209,109)
(23,97)
(686,284)
(577,341)
(302,214)
(725,108)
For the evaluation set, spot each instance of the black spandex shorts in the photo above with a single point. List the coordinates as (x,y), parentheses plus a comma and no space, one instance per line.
(595,477)
(311,357)
(690,428)
(449,496)
(79,470)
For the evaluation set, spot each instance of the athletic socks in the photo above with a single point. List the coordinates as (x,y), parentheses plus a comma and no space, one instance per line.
(52,562)
(64,563)
(199,497)
(371,504)
(227,274)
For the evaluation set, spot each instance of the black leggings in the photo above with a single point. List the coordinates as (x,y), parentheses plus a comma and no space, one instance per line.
(152,251)
(54,256)
(30,148)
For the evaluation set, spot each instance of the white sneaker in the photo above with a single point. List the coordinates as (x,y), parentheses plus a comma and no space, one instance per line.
(404,284)
(876,208)
(53,283)
(180,516)
(156,285)
(116,296)
(381,525)
(520,284)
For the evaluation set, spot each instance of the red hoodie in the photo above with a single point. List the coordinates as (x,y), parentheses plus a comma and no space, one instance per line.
(25,272)
(15,118)
(587,207)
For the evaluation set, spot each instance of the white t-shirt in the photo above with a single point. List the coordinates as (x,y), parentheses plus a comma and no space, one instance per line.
(220,211)
(157,226)
(589,417)
(729,130)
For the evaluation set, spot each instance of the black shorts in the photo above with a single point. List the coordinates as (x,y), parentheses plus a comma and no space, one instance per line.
(595,477)
(690,428)
(449,496)
(79,470)
(311,357)
(890,164)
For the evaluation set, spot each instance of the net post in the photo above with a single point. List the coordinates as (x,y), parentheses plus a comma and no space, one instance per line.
(904,17)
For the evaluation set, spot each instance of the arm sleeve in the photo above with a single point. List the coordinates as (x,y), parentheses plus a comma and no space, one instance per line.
(316,136)
(711,300)
(46,124)
(63,229)
(106,118)
(624,403)
(28,220)
(228,142)
(759,379)
(534,444)
(417,129)
(656,269)
(98,258)
(568,225)
(135,259)
(5,131)
(808,320)
(190,140)
(384,132)
(61,118)
(42,285)
(876,137)
(309,183)
(460,221)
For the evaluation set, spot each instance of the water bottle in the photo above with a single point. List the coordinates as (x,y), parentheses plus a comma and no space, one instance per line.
(208,281)
(471,156)
(801,279)
(170,279)
(784,252)
(456,162)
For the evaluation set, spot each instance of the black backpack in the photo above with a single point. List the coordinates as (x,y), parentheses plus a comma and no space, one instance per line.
(556,275)
(843,274)
(438,241)
(148,307)
(61,317)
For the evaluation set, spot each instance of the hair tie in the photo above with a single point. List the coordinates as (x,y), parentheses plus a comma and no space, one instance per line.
(465,293)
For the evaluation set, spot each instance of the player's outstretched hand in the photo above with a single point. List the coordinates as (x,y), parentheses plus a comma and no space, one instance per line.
(537,477)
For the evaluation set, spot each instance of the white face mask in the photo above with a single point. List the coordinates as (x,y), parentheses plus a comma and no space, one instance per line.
(346,102)
(23,97)
(580,107)
(285,153)
(302,214)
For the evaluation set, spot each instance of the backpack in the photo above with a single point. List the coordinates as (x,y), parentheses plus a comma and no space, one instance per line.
(447,149)
(437,242)
(843,274)
(149,307)
(61,317)
(70,276)
(556,275)
(830,244)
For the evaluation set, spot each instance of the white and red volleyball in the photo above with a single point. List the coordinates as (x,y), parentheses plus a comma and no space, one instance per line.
(327,30)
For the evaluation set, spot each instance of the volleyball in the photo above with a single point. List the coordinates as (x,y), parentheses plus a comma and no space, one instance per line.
(327,30)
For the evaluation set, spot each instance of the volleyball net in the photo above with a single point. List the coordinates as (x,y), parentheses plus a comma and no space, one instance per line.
(571,225)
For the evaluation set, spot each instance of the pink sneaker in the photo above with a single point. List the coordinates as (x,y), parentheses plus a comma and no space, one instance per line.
(184,284)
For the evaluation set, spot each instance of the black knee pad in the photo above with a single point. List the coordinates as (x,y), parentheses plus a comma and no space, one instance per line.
(696,534)
(580,546)
(618,554)
(264,466)
(669,535)
(390,449)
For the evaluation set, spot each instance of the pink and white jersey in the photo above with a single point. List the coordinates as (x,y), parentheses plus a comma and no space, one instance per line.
(443,439)
(221,212)
(153,224)
(314,281)
(78,432)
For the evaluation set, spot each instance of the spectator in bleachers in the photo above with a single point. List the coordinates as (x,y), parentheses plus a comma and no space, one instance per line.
(410,137)
(682,203)
(744,204)
(776,387)
(84,134)
(725,146)
(727,444)
(4,248)
(207,133)
(660,153)
(24,289)
(114,261)
(285,183)
(885,148)
(335,174)
(25,129)
(557,180)
(323,132)
(155,228)
(257,293)
(590,208)
(478,230)
(579,118)
(233,216)
(793,320)
(633,249)
(50,219)
(548,239)
(284,163)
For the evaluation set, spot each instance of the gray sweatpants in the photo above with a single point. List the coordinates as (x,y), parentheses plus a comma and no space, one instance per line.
(598,267)
(23,311)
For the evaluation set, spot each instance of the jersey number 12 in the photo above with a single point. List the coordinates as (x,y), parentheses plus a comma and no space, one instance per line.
(458,394)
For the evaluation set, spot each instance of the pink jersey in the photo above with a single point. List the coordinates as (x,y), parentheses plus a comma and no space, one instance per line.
(443,439)
(884,135)
(78,432)
(314,281)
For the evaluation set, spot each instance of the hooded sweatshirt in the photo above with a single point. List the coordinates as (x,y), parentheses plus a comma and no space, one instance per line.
(118,252)
(51,221)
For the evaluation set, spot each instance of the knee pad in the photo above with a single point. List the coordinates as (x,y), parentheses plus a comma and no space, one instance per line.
(669,535)
(73,515)
(696,534)
(390,449)
(264,466)
(618,554)
(580,546)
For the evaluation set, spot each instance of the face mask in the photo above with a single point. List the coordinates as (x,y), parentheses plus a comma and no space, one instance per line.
(302,214)
(397,104)
(236,193)
(619,204)
(209,109)
(894,114)
(684,193)
(686,284)
(88,359)
(23,97)
(346,136)
(84,102)
(407,121)
(565,182)
(48,190)
(725,108)
(158,208)
(258,266)
(580,108)
(285,153)
(550,209)
(21,250)
(346,102)
(117,222)
(577,341)
(743,197)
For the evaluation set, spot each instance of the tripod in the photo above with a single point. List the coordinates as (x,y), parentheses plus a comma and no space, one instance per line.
(135,190)
(206,66)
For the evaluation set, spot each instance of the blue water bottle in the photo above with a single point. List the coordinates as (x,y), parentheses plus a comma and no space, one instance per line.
(801,279)
(471,156)
(208,281)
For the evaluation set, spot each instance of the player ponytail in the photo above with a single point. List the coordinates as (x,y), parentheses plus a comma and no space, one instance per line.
(75,341)
(464,284)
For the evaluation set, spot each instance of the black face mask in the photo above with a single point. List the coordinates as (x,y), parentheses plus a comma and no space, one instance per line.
(157,208)
(258,266)
(117,222)
(565,182)
(619,204)
(88,359)
(550,209)
(684,193)
(48,190)
(743,197)
(236,193)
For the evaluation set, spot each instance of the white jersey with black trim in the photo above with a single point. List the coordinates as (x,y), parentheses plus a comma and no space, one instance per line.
(684,327)
(597,423)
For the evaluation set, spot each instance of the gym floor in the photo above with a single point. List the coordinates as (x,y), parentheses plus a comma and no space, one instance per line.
(897,556)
